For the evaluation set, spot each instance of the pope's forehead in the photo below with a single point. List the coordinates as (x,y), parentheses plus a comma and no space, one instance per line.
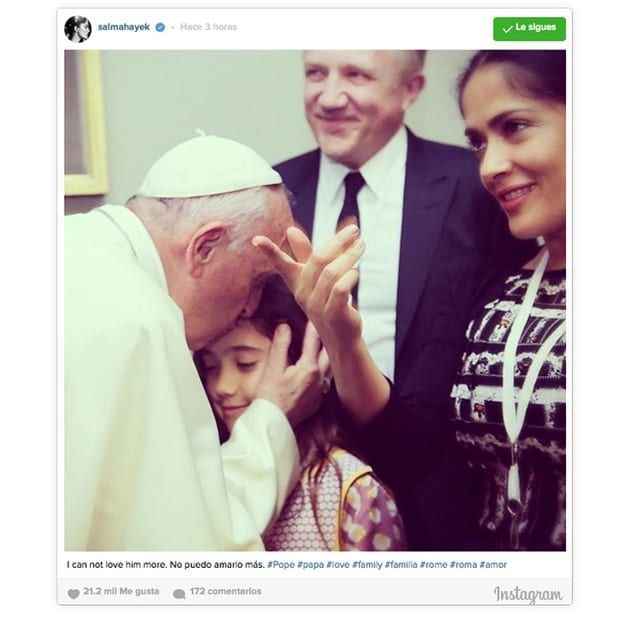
(273,225)
(279,215)
(253,262)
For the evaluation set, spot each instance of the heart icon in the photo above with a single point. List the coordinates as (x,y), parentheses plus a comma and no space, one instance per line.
(73,593)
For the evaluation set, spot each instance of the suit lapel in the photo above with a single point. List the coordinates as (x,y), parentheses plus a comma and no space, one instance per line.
(428,195)
(304,187)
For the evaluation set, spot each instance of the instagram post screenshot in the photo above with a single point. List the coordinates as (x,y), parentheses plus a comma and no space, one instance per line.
(314,306)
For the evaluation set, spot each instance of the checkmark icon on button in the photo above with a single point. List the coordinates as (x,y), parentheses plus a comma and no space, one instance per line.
(507,30)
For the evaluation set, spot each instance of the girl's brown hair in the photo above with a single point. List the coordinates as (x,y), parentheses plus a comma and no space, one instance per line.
(320,433)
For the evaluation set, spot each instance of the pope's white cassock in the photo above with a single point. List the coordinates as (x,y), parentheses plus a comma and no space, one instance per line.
(143,466)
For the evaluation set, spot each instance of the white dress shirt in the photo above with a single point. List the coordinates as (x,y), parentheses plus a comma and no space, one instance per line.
(380,204)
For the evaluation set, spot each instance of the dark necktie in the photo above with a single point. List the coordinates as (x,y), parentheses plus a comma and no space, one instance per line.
(350,214)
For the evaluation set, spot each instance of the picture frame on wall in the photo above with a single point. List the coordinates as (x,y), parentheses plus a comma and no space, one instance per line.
(85,150)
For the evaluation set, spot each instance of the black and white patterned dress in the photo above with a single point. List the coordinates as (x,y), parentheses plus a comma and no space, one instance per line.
(480,432)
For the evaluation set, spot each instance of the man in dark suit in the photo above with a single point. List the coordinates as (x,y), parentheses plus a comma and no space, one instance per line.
(426,220)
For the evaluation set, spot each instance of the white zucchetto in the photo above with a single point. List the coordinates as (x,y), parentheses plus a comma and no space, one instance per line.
(204,166)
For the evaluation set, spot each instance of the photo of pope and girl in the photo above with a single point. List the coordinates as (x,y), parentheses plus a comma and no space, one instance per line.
(400,300)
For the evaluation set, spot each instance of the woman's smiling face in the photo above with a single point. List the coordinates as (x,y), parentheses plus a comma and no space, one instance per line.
(521,145)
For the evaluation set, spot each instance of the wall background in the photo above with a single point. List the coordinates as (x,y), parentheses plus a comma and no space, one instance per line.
(154,100)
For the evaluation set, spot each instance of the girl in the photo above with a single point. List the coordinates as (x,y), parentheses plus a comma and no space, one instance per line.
(339,504)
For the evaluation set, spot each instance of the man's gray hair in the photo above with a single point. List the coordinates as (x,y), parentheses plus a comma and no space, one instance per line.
(412,60)
(241,210)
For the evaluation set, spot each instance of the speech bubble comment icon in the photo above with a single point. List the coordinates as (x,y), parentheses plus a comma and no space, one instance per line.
(73,593)
(179,594)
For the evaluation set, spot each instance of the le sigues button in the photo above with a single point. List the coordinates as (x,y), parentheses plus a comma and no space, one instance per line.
(529,28)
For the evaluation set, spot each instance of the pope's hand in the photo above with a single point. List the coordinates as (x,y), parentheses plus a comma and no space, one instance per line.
(295,388)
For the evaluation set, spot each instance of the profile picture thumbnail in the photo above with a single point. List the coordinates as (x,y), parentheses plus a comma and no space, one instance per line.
(77,29)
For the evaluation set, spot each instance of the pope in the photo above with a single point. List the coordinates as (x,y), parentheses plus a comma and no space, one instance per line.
(146,284)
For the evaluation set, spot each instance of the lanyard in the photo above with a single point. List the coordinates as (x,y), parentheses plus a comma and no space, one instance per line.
(514,417)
